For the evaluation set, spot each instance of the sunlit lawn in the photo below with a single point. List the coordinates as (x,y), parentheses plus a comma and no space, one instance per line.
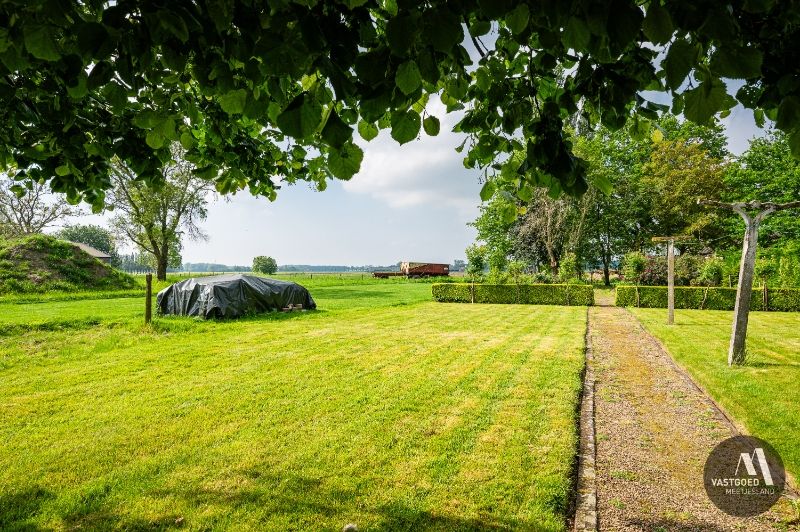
(763,395)
(382,409)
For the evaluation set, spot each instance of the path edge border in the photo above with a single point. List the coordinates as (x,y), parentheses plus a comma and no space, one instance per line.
(586,490)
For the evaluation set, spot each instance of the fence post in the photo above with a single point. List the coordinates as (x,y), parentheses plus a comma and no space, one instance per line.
(148,302)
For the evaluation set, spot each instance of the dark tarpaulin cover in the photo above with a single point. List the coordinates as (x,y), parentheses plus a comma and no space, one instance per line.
(231,296)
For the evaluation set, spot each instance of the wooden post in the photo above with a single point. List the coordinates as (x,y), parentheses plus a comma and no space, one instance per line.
(744,290)
(670,240)
(148,301)
(670,282)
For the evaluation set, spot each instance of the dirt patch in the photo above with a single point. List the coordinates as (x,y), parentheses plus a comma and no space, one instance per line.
(654,433)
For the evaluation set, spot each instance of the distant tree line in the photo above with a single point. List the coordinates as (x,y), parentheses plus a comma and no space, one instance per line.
(644,186)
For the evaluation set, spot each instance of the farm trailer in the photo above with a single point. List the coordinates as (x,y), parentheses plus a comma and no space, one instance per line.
(416,269)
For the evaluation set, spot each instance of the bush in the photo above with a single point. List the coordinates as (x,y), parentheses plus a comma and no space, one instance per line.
(655,271)
(633,266)
(568,268)
(711,273)
(710,298)
(529,294)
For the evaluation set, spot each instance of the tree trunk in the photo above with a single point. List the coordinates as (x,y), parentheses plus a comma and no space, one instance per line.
(161,266)
(606,270)
(741,312)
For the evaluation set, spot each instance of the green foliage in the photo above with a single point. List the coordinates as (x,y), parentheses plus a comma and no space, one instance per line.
(710,297)
(767,171)
(633,265)
(528,294)
(236,81)
(476,260)
(711,272)
(42,263)
(98,237)
(568,269)
(263,264)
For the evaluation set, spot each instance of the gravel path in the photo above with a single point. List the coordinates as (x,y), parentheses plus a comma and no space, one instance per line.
(654,433)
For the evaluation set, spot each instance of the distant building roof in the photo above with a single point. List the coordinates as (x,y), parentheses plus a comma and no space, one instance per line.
(94,252)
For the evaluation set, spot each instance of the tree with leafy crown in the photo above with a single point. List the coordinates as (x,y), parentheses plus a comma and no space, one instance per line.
(264,93)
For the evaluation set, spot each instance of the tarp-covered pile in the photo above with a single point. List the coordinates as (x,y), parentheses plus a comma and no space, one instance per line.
(231,296)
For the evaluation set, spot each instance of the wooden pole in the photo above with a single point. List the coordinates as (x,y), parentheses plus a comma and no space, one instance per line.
(744,289)
(670,282)
(148,301)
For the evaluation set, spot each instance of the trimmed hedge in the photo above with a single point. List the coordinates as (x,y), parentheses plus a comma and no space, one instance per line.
(529,294)
(710,298)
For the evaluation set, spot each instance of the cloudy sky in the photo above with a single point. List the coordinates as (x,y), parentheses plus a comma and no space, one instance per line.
(410,202)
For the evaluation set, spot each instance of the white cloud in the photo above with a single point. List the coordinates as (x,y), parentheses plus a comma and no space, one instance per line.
(427,172)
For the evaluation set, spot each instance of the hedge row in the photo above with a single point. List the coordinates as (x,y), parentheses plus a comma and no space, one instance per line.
(712,298)
(530,294)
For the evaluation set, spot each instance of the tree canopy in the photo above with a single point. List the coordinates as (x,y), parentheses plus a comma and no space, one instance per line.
(263,92)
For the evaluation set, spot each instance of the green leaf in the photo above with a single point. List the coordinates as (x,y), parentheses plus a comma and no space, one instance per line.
(405,126)
(40,43)
(788,117)
(487,190)
(367,130)
(624,22)
(758,116)
(408,78)
(740,63)
(233,102)
(336,132)
(154,139)
(174,24)
(508,212)
(443,30)
(794,143)
(480,27)
(63,170)
(703,102)
(431,126)
(576,34)
(657,24)
(482,79)
(517,19)
(680,59)
(80,90)
(346,162)
(602,184)
(187,140)
(401,32)
(301,118)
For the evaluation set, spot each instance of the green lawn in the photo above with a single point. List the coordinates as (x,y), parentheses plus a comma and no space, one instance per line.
(382,409)
(764,395)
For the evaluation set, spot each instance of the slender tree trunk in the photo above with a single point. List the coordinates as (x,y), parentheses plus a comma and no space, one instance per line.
(161,266)
(606,269)
(741,311)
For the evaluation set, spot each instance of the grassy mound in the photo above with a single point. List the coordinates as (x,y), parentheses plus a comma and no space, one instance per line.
(41,263)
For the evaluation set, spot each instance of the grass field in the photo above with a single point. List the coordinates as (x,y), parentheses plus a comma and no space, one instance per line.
(382,409)
(763,395)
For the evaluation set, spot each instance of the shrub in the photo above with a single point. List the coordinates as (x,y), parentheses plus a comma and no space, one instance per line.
(655,271)
(710,298)
(711,272)
(633,266)
(568,268)
(529,294)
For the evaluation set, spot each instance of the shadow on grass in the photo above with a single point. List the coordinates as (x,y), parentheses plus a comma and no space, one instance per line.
(293,498)
(16,508)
